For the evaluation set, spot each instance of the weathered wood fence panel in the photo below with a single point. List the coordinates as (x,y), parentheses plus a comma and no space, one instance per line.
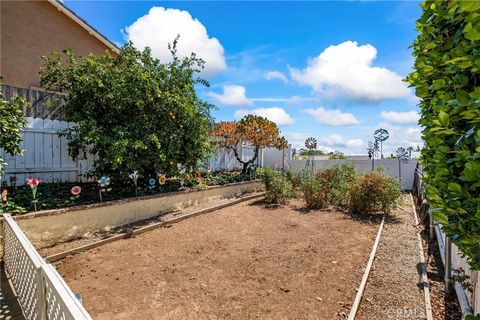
(469,299)
(45,155)
(46,151)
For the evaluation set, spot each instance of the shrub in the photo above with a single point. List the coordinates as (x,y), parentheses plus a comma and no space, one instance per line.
(374,193)
(278,189)
(337,181)
(296,178)
(314,193)
(446,79)
(11,121)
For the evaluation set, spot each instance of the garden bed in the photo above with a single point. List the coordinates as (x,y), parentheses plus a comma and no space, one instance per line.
(244,261)
(50,227)
(58,195)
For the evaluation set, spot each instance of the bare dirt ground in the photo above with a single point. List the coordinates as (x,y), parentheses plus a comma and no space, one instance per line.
(241,262)
(393,289)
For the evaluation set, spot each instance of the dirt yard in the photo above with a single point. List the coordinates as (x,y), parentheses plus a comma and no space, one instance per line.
(241,262)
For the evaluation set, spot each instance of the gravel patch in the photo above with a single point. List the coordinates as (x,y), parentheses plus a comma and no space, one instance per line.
(394,289)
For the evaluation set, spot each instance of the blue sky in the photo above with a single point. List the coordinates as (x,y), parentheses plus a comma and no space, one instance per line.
(331,70)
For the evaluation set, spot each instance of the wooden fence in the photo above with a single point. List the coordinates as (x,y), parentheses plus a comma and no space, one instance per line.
(46,151)
(469,298)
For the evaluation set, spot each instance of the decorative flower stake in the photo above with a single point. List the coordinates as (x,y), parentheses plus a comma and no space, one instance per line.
(75,191)
(134,176)
(151,182)
(104,182)
(162,179)
(33,184)
(4,195)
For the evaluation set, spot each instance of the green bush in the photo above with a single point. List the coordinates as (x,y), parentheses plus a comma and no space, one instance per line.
(278,189)
(338,180)
(314,192)
(374,193)
(12,120)
(296,178)
(446,79)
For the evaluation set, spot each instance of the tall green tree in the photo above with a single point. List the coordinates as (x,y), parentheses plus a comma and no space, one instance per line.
(132,111)
(11,121)
(447,81)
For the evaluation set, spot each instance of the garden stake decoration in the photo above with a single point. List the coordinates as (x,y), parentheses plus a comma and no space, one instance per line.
(33,184)
(104,182)
(151,183)
(75,191)
(372,151)
(162,179)
(134,176)
(310,144)
(381,135)
(403,156)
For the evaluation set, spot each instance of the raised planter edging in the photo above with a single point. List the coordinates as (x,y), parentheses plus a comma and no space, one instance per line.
(49,227)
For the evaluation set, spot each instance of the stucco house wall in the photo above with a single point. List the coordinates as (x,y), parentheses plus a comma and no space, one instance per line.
(31,29)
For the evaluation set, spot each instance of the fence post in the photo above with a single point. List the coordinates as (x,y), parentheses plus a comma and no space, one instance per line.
(431,230)
(40,294)
(448,265)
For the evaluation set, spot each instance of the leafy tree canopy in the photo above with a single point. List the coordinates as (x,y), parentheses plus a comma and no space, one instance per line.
(132,111)
(447,80)
(307,152)
(259,132)
(11,121)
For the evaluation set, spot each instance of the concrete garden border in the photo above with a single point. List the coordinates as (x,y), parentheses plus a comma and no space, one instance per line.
(49,227)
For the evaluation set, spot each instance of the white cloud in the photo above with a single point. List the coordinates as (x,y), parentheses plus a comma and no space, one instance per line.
(298,99)
(354,143)
(410,117)
(328,143)
(160,27)
(269,75)
(233,95)
(333,117)
(332,140)
(275,114)
(399,136)
(290,100)
(345,70)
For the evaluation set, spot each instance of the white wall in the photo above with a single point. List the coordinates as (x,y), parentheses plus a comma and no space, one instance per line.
(390,167)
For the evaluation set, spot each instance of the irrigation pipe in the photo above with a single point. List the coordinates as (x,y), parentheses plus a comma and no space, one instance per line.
(178,218)
(363,283)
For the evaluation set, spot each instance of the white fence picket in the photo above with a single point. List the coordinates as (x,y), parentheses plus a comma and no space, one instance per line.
(41,291)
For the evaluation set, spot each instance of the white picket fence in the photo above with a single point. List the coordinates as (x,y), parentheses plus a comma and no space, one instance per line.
(469,299)
(41,291)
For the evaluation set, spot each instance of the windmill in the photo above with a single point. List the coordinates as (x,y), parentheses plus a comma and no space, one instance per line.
(372,150)
(381,135)
(310,144)
(403,155)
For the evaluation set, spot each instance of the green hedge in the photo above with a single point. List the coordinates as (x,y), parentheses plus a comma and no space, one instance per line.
(447,81)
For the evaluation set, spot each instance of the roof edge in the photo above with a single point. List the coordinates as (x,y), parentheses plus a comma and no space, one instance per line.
(72,15)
